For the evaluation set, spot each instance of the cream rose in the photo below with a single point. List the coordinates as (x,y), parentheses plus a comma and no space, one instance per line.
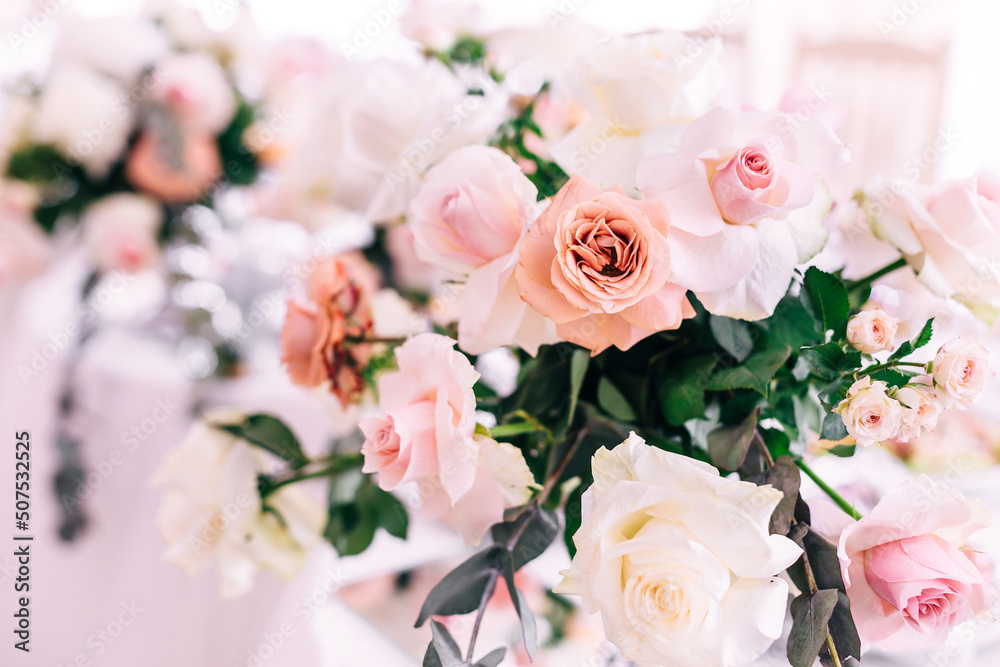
(872,330)
(211,508)
(869,413)
(678,560)
(961,371)
(921,410)
(120,232)
(194,86)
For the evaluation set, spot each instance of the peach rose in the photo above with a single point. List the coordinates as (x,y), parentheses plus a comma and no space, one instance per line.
(907,577)
(596,263)
(872,330)
(174,173)
(869,413)
(320,337)
(430,418)
(962,371)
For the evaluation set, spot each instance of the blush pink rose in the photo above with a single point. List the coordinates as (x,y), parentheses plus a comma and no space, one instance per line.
(907,577)
(471,209)
(746,203)
(174,173)
(120,232)
(429,419)
(596,263)
(962,371)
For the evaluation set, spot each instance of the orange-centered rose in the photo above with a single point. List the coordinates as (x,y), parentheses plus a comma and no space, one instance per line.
(596,263)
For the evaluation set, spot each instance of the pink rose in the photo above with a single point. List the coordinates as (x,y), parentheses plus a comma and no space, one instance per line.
(907,577)
(430,417)
(120,232)
(471,209)
(872,330)
(746,204)
(469,217)
(949,234)
(320,338)
(194,86)
(596,263)
(174,173)
(962,371)
(921,409)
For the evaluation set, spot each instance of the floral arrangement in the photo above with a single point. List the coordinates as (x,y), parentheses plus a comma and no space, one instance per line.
(640,259)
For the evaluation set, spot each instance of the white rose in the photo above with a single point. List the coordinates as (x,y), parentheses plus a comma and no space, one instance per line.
(211,508)
(120,230)
(195,86)
(872,330)
(921,412)
(678,560)
(25,250)
(869,413)
(118,46)
(629,85)
(962,371)
(79,112)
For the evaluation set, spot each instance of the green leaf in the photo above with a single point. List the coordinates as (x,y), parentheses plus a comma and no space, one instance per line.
(269,433)
(492,659)
(391,513)
(825,359)
(613,402)
(755,373)
(574,517)
(810,615)
(844,632)
(578,364)
(792,324)
(529,632)
(891,376)
(461,591)
(843,451)
(357,508)
(828,298)
(542,528)
(823,560)
(833,427)
(727,445)
(682,392)
(785,477)
(732,335)
(431,658)
(921,340)
(445,647)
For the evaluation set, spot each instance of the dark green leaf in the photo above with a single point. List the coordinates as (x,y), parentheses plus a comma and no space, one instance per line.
(269,433)
(825,359)
(542,528)
(732,335)
(613,402)
(528,630)
(843,451)
(785,477)
(777,442)
(431,658)
(829,299)
(810,615)
(727,445)
(492,659)
(391,513)
(823,560)
(461,590)
(444,645)
(755,373)
(791,324)
(574,517)
(844,633)
(578,364)
(682,391)
(891,377)
(921,340)
(833,427)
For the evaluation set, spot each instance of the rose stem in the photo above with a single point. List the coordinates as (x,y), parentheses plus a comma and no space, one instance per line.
(836,497)
(875,275)
(487,592)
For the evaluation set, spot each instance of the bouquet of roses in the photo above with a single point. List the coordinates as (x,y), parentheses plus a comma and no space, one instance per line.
(647,276)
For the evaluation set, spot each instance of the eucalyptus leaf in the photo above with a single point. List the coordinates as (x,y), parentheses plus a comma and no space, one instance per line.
(810,616)
(844,633)
(461,591)
(727,445)
(542,528)
(613,401)
(785,477)
(447,650)
(492,659)
(574,517)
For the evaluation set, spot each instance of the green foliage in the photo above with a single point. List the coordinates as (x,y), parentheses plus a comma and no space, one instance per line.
(811,613)
(909,347)
(239,163)
(357,509)
(682,390)
(727,445)
(547,176)
(269,433)
(825,296)
(755,373)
